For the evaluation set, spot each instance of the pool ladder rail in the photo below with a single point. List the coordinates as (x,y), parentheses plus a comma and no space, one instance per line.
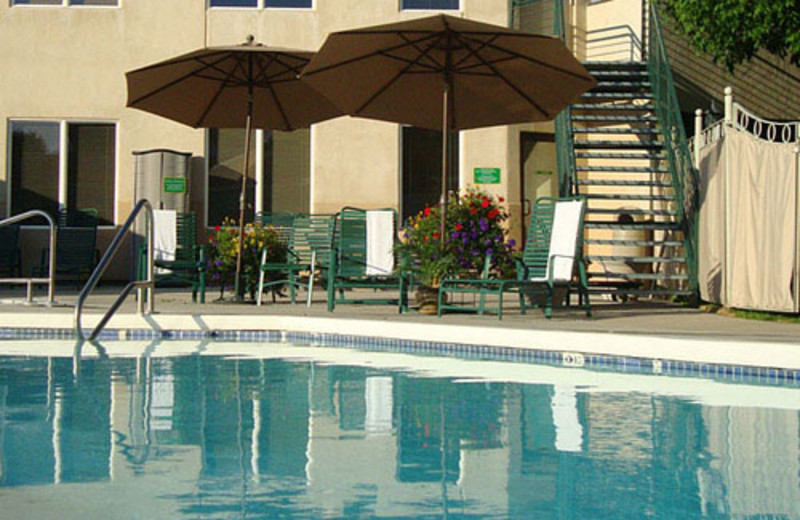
(51,275)
(146,286)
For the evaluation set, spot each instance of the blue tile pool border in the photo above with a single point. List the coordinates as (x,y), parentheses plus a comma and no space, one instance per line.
(762,376)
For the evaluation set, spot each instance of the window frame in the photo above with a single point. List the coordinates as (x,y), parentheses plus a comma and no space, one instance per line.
(62,185)
(403,9)
(258,171)
(260,5)
(67,3)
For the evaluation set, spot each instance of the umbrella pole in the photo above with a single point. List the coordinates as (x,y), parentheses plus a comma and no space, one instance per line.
(445,160)
(238,289)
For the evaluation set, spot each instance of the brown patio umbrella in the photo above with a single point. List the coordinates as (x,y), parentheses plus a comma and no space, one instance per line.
(247,86)
(447,73)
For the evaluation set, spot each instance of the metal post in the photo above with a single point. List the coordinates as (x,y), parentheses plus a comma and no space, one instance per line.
(698,136)
(728,106)
(726,266)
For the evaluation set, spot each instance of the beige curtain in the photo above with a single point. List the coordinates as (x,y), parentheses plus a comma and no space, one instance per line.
(711,228)
(763,218)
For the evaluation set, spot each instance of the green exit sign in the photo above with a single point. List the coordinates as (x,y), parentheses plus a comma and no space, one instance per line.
(487,175)
(174,185)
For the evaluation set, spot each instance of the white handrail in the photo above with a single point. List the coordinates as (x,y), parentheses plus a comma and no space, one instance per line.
(148,284)
(51,278)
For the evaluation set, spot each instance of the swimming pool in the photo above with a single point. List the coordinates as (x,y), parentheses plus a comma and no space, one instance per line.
(229,430)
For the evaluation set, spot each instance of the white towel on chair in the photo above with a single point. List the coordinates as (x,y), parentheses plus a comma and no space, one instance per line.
(564,237)
(165,234)
(380,239)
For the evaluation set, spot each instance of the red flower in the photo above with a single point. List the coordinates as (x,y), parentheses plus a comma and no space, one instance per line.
(501,199)
(473,211)
(458,227)
(217,228)
(493,213)
(427,211)
(485,203)
(436,234)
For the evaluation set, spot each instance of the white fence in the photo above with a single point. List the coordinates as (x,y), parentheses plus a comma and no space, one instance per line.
(749,229)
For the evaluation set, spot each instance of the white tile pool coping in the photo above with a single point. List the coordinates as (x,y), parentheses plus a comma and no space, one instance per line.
(695,348)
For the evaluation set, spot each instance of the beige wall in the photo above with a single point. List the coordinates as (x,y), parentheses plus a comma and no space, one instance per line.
(69,63)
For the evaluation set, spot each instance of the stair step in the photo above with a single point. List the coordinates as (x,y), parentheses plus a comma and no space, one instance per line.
(617,131)
(619,196)
(612,155)
(638,276)
(629,119)
(614,65)
(609,96)
(636,259)
(636,226)
(637,243)
(620,85)
(610,107)
(618,145)
(633,211)
(640,184)
(620,74)
(623,169)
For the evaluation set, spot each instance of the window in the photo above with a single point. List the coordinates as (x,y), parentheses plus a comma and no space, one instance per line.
(234,3)
(422,168)
(280,181)
(290,4)
(65,2)
(63,164)
(430,5)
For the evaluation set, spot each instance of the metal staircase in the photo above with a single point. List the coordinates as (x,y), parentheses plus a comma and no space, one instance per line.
(634,230)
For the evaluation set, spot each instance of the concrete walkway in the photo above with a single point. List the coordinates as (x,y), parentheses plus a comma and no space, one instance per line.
(637,329)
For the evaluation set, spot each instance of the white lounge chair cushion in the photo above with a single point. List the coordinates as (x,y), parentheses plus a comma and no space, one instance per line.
(563,240)
(380,238)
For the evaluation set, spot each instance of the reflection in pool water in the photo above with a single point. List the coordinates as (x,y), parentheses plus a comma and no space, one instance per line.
(202,436)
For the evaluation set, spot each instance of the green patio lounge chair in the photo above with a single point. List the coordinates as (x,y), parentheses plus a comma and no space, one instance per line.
(551,259)
(10,262)
(76,245)
(187,267)
(307,257)
(364,258)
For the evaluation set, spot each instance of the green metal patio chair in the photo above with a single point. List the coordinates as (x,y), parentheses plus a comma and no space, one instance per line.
(364,258)
(307,257)
(188,268)
(10,256)
(552,258)
(76,245)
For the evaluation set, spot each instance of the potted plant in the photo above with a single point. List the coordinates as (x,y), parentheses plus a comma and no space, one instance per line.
(474,229)
(223,246)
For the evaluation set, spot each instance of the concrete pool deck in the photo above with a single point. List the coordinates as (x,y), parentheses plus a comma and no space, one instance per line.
(651,330)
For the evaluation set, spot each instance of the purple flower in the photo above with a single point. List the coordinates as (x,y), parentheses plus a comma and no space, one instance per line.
(512,242)
(484,224)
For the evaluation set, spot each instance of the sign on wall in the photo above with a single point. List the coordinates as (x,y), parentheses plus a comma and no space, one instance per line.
(174,185)
(486,175)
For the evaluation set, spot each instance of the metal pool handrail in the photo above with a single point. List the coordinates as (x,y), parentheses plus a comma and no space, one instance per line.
(149,284)
(51,278)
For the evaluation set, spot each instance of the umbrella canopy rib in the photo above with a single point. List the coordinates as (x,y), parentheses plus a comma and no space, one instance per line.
(213,102)
(410,63)
(172,83)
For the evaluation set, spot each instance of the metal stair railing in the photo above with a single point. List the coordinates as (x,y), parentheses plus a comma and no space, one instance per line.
(51,275)
(608,43)
(140,285)
(676,146)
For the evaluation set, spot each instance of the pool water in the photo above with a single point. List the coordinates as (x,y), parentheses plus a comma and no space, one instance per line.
(291,432)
